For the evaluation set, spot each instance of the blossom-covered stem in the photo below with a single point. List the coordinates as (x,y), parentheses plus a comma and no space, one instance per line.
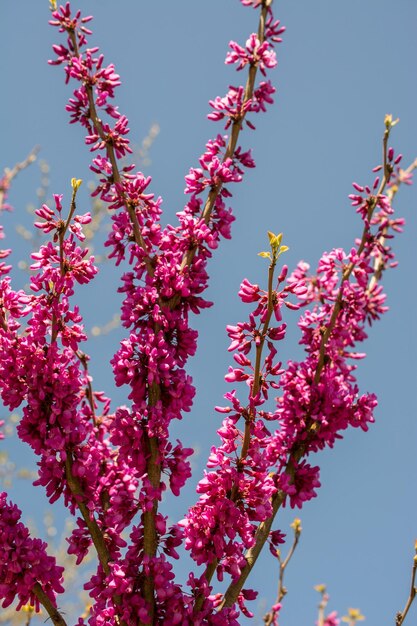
(111,156)
(61,234)
(379,264)
(387,169)
(258,359)
(53,612)
(259,347)
(10,174)
(233,139)
(73,482)
(400,617)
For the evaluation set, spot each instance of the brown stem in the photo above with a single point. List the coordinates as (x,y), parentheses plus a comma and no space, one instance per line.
(82,357)
(282,591)
(400,617)
(269,617)
(150,538)
(52,611)
(91,523)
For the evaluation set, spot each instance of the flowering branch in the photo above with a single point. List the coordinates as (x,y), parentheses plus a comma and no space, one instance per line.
(237,120)
(305,439)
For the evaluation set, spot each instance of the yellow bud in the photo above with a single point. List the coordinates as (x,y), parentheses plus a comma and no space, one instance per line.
(353,615)
(52,5)
(389,122)
(274,240)
(296,525)
(76,183)
(265,255)
(28,608)
(320,588)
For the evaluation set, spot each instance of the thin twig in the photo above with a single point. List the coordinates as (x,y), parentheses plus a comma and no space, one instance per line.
(9,174)
(400,617)
(269,617)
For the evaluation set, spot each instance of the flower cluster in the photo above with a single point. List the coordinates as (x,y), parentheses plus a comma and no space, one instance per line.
(24,563)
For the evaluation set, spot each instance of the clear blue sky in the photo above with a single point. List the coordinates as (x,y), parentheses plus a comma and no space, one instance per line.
(342,66)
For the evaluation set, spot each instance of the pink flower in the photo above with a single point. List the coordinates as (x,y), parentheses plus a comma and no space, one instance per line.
(255,53)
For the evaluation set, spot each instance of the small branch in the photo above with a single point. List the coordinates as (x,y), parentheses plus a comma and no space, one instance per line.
(269,617)
(400,617)
(10,174)
(322,604)
(52,611)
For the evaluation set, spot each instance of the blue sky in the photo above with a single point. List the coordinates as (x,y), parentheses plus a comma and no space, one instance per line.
(342,67)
